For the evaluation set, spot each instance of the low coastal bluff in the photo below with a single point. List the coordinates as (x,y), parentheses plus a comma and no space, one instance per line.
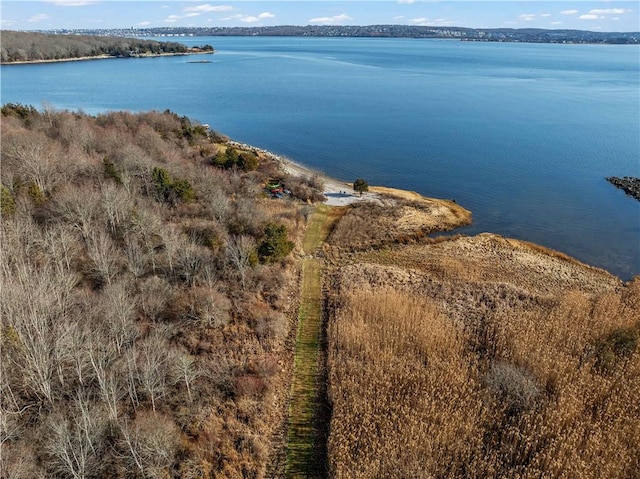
(628,184)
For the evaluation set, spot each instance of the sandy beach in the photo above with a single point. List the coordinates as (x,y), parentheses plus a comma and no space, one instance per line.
(338,193)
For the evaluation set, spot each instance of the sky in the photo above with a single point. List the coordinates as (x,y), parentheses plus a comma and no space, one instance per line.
(604,15)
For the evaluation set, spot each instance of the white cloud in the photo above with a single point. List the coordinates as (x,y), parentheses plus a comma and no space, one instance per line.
(249,18)
(608,11)
(569,12)
(195,11)
(406,2)
(556,23)
(545,15)
(399,17)
(527,17)
(71,3)
(143,24)
(38,17)
(206,8)
(343,17)
(588,16)
(254,19)
(422,21)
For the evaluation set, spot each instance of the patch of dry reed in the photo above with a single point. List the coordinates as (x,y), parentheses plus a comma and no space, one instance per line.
(517,392)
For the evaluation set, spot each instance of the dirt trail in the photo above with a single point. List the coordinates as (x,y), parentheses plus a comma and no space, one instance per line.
(308,414)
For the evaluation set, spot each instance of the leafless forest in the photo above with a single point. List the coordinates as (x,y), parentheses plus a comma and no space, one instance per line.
(31,46)
(142,332)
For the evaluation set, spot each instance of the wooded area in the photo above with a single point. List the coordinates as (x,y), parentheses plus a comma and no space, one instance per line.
(31,46)
(145,299)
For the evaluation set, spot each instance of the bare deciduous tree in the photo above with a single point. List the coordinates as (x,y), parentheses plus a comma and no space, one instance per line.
(75,132)
(190,259)
(241,251)
(118,316)
(73,442)
(153,366)
(79,208)
(154,296)
(34,306)
(106,374)
(212,185)
(104,256)
(33,157)
(17,461)
(116,204)
(62,246)
(137,257)
(173,242)
(131,370)
(147,226)
(185,370)
(149,443)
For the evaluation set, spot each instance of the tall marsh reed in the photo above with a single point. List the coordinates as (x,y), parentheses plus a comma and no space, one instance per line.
(414,395)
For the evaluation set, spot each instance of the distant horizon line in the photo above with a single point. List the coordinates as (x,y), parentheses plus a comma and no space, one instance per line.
(326,27)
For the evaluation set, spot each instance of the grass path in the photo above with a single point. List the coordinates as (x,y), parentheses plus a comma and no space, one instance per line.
(307,427)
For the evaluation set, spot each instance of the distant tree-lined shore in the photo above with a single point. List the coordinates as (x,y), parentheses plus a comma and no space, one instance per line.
(32,47)
(523,35)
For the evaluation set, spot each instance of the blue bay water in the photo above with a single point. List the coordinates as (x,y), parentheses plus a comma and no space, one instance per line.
(521,134)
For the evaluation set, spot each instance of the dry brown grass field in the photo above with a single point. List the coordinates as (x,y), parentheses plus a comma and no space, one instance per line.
(481,357)
(399,217)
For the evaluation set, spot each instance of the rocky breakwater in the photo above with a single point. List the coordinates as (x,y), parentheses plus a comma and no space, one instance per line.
(628,184)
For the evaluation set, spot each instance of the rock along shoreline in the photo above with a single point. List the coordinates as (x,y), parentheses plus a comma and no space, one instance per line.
(629,184)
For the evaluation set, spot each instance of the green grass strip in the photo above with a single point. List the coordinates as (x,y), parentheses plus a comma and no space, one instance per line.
(306,446)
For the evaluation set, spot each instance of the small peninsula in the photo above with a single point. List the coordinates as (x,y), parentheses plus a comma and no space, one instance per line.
(32,47)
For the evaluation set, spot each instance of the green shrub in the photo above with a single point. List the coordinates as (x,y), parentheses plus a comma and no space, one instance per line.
(168,189)
(247,161)
(7,203)
(220,160)
(620,343)
(36,193)
(24,112)
(184,190)
(110,170)
(162,181)
(275,244)
(360,186)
